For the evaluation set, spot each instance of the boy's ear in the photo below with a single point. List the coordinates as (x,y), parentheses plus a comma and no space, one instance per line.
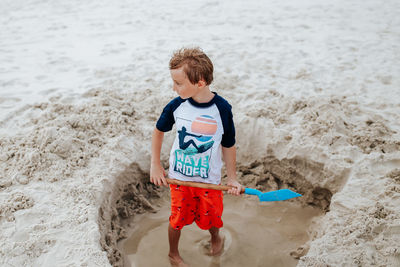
(201,83)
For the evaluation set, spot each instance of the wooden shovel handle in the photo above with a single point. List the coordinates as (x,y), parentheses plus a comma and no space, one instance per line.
(201,185)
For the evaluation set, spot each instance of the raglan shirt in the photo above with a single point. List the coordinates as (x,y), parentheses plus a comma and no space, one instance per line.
(201,130)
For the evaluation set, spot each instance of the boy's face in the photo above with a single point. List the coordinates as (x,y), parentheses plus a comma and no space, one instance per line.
(183,86)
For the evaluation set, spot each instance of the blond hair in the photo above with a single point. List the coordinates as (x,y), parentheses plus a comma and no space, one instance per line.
(196,64)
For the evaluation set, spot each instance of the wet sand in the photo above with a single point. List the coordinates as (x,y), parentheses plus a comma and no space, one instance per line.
(256,234)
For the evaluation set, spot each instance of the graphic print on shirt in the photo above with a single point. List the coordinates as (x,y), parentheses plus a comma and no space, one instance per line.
(195,147)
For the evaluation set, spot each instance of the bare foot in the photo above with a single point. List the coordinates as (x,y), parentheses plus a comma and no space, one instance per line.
(177,261)
(217,246)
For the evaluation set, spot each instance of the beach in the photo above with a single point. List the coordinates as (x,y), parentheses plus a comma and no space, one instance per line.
(315,90)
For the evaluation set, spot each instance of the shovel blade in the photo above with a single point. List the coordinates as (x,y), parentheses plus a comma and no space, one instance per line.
(278,195)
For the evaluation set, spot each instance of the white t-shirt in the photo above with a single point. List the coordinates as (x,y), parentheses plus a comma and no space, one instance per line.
(202,128)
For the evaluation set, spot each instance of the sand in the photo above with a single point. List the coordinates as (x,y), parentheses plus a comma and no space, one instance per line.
(315,91)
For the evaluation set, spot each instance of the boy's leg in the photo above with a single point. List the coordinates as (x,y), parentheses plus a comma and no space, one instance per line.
(217,242)
(173,237)
(209,214)
(174,257)
(182,205)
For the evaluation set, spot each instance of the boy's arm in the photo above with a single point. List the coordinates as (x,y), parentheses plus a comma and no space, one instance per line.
(229,155)
(157,172)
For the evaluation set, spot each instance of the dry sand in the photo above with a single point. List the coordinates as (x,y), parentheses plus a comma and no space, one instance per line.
(315,91)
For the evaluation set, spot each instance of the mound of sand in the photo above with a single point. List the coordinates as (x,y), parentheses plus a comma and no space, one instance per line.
(56,174)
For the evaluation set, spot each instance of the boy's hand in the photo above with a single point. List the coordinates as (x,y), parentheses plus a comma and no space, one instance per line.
(236,189)
(157,175)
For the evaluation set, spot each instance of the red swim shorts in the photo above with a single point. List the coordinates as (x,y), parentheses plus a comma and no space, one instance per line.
(188,204)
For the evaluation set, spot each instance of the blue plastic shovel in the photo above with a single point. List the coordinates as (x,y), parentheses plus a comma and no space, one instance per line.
(278,195)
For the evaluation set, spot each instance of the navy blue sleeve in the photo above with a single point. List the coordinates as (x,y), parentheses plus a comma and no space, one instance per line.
(166,120)
(225,111)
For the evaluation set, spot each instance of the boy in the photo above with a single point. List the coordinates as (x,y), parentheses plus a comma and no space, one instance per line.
(205,130)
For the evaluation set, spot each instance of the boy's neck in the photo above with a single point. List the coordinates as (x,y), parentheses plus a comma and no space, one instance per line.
(204,95)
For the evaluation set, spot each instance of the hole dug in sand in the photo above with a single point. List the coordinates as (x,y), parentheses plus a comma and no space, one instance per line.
(256,233)
(131,194)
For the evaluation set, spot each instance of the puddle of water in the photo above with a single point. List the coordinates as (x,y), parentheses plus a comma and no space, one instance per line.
(256,234)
